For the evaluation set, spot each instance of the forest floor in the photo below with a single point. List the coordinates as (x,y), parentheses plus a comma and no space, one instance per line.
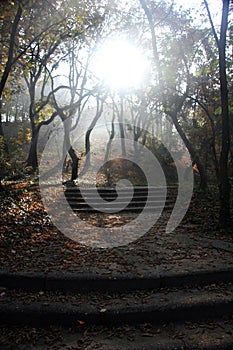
(30,243)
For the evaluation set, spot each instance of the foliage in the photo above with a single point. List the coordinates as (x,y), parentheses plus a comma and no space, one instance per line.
(159,150)
(4,161)
(13,167)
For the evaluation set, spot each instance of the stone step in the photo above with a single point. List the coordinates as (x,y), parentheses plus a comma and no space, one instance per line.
(111,210)
(110,197)
(137,203)
(167,305)
(208,335)
(121,189)
(204,335)
(138,191)
(115,282)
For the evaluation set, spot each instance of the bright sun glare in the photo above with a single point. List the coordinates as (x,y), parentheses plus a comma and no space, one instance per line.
(120,65)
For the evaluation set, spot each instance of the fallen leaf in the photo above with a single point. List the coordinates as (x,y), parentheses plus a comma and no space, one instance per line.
(103,310)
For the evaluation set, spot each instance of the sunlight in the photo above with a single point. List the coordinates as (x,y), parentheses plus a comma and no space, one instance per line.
(120,65)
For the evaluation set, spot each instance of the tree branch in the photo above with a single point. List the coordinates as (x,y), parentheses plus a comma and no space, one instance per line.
(211,23)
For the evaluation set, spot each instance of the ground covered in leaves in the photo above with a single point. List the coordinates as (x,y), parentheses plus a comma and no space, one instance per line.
(82,336)
(30,241)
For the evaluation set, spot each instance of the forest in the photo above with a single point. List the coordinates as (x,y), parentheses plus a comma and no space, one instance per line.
(130,102)
(49,76)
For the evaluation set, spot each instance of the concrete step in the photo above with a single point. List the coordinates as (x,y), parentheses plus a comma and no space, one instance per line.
(138,191)
(134,205)
(137,203)
(115,282)
(167,305)
(204,335)
(168,311)
(111,198)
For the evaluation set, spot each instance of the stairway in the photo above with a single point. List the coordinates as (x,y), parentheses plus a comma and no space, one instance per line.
(204,304)
(164,310)
(139,199)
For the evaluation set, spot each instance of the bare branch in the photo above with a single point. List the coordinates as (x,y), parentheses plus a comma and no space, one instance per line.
(211,23)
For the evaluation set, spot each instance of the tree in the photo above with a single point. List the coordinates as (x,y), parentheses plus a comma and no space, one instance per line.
(79,90)
(19,34)
(178,102)
(9,59)
(224,183)
(74,25)
(171,81)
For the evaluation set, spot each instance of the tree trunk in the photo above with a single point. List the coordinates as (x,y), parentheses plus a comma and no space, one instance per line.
(225,187)
(122,130)
(224,183)
(9,62)
(75,161)
(8,67)
(5,145)
(67,147)
(111,137)
(32,156)
(32,159)
(194,156)
(99,111)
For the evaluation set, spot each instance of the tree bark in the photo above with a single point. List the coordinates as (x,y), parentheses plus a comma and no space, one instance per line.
(75,161)
(225,186)
(5,145)
(99,111)
(111,137)
(8,66)
(32,159)
(122,130)
(194,155)
(224,182)
(7,69)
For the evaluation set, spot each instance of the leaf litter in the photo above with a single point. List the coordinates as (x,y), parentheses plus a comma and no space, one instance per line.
(29,242)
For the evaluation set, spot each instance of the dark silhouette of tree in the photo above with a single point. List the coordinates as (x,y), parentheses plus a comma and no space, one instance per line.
(224,183)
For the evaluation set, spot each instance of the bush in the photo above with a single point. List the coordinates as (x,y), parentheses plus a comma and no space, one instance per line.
(4,161)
